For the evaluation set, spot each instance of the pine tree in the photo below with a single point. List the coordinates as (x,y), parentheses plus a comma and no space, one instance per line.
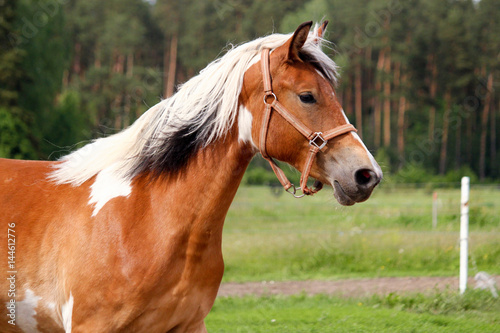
(11,55)
(14,131)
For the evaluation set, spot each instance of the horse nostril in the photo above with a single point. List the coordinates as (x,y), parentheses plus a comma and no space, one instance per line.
(365,177)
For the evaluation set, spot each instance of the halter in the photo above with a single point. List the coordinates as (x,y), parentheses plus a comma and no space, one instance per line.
(317,140)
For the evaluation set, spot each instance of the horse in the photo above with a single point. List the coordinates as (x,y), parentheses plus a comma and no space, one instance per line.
(124,234)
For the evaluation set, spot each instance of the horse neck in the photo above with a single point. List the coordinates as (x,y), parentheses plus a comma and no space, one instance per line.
(202,192)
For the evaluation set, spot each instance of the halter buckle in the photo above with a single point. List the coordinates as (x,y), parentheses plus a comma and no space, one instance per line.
(318,137)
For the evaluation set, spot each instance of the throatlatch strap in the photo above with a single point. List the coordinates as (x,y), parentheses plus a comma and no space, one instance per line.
(263,131)
(299,126)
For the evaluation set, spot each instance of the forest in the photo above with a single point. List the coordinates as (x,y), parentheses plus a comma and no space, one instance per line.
(419,78)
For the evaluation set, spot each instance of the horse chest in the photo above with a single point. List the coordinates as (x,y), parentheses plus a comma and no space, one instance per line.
(165,293)
(177,300)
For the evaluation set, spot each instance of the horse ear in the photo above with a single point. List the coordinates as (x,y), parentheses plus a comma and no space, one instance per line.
(322,28)
(298,39)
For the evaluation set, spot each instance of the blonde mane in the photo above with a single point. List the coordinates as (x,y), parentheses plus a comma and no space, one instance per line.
(202,111)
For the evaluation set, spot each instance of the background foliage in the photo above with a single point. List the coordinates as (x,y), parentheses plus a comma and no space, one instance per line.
(419,77)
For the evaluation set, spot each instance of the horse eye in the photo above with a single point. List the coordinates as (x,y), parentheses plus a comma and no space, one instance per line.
(307,98)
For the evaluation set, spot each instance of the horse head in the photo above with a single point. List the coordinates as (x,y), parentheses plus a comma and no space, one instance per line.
(302,78)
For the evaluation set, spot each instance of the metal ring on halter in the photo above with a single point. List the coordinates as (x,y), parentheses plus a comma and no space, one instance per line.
(295,191)
(267,95)
(318,136)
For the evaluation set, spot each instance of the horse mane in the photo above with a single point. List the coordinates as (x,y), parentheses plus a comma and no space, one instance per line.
(203,110)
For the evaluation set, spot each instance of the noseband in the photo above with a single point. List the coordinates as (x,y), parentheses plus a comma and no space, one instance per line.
(317,140)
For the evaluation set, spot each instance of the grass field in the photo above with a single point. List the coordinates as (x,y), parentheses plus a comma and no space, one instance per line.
(477,311)
(268,237)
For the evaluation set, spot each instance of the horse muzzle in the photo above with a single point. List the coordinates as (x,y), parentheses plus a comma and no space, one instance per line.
(357,189)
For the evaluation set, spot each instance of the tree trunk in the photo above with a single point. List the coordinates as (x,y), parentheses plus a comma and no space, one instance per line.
(401,125)
(358,99)
(368,75)
(97,56)
(377,106)
(165,67)
(117,111)
(444,141)
(348,99)
(126,110)
(65,81)
(77,67)
(469,133)
(432,93)
(401,118)
(96,86)
(130,64)
(493,140)
(172,67)
(484,127)
(387,99)
(458,144)
(118,121)
(119,63)
(396,85)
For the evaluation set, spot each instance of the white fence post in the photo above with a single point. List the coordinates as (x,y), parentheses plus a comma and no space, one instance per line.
(464,234)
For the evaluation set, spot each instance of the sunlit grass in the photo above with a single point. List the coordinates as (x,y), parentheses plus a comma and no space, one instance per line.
(443,311)
(281,238)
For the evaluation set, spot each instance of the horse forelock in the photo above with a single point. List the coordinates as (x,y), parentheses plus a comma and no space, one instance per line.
(203,110)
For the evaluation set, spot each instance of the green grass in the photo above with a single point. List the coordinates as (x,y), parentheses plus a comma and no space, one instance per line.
(476,311)
(282,238)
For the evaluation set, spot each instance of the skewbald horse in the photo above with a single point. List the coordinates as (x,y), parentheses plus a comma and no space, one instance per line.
(124,234)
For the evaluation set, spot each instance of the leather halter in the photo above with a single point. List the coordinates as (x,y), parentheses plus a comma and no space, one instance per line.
(317,140)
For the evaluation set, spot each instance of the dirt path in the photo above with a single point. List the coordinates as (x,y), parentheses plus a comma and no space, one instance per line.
(346,288)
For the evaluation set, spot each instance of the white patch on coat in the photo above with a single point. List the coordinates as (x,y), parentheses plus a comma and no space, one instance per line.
(108,185)
(245,125)
(67,313)
(26,312)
